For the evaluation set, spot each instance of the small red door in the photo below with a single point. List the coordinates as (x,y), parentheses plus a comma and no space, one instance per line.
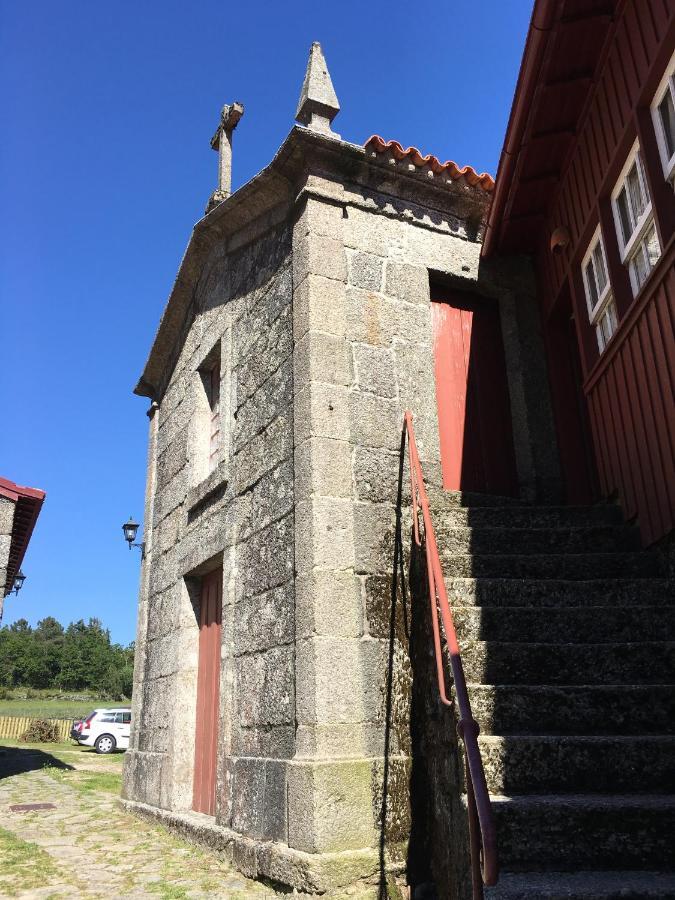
(208,693)
(474,410)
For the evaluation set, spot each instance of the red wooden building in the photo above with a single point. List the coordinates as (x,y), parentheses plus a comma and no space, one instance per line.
(585,185)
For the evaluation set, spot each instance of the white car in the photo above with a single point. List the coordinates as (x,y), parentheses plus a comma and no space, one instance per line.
(106,730)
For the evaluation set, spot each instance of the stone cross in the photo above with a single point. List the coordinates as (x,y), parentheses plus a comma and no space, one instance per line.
(222,142)
(318,104)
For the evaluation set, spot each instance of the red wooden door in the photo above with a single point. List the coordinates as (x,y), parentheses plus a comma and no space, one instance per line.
(474,411)
(208,693)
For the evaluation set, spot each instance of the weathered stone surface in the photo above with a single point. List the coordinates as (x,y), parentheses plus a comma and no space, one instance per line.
(262,452)
(319,305)
(375,421)
(265,687)
(407,282)
(328,603)
(271,499)
(324,536)
(331,806)
(318,104)
(321,357)
(376,474)
(321,410)
(258,798)
(341,681)
(266,559)
(258,411)
(374,526)
(266,741)
(323,466)
(374,370)
(375,319)
(265,621)
(365,270)
(6,515)
(319,255)
(320,217)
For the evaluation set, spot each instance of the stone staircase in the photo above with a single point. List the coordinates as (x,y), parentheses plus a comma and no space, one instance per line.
(567,630)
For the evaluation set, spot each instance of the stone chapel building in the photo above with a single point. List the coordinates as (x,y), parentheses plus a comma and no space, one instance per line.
(273,685)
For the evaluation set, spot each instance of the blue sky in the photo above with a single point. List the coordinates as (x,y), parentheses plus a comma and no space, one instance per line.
(105,165)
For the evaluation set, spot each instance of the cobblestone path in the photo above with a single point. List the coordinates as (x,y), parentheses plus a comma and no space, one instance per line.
(87,847)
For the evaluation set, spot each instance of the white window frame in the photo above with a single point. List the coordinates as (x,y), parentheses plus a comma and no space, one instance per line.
(605,297)
(626,249)
(602,297)
(667,84)
(631,248)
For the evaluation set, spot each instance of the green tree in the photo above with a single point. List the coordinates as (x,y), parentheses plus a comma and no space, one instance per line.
(80,658)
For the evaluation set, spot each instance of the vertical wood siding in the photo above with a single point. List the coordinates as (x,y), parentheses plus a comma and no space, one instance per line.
(639,34)
(629,389)
(631,398)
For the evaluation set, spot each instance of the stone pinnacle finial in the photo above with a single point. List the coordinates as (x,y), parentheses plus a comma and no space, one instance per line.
(222,142)
(318,103)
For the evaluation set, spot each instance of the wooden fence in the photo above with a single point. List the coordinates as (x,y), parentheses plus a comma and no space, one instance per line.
(14,726)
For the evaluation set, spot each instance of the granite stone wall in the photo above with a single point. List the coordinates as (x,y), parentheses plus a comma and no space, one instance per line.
(238,518)
(323,329)
(7,508)
(362,264)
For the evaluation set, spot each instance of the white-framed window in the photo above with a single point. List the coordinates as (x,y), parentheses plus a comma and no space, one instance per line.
(634,220)
(663,116)
(599,298)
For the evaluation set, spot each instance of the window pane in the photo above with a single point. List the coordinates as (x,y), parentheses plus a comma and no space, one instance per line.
(667,116)
(643,180)
(624,216)
(600,271)
(590,281)
(639,266)
(652,248)
(607,324)
(637,200)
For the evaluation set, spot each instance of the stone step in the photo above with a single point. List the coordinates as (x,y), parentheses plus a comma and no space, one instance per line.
(538,764)
(503,662)
(585,831)
(546,593)
(572,566)
(598,624)
(583,885)
(528,517)
(441,500)
(574,709)
(526,541)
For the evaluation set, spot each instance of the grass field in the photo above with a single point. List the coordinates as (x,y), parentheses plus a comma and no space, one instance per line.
(44,708)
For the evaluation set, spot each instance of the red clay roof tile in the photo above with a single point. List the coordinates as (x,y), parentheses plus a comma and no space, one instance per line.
(468,173)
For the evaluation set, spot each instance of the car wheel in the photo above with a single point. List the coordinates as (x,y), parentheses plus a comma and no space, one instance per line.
(105,743)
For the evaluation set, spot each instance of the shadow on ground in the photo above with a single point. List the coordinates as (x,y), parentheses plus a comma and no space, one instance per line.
(15,760)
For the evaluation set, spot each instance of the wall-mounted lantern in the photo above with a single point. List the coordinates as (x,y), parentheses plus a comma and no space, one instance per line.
(130,530)
(19,579)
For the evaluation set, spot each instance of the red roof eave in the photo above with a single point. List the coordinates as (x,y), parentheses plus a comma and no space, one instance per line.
(536,44)
(28,505)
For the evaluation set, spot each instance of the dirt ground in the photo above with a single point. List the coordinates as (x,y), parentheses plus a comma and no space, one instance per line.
(85,846)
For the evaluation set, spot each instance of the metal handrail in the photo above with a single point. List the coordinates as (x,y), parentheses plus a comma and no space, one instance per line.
(482,836)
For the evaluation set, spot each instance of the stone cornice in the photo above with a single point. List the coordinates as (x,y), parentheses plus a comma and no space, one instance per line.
(284,183)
